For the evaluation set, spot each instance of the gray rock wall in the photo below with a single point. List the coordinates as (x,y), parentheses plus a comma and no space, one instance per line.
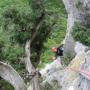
(77,10)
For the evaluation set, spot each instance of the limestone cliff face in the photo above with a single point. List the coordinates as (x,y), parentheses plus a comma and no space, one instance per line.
(69,42)
(77,10)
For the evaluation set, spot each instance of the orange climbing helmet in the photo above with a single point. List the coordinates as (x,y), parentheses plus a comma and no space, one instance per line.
(54,49)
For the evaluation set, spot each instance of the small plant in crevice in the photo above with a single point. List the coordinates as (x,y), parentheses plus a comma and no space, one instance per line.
(66,59)
(81,33)
(47,86)
(5,85)
(78,4)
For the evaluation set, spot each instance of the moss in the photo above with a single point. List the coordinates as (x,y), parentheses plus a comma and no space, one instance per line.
(66,59)
(78,4)
(81,33)
(47,86)
(5,85)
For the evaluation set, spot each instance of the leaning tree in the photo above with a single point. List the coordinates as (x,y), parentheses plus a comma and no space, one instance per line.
(34,39)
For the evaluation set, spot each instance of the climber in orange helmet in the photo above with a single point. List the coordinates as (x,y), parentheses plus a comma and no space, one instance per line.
(58,51)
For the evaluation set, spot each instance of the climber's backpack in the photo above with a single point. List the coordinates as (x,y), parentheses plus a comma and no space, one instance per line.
(59,51)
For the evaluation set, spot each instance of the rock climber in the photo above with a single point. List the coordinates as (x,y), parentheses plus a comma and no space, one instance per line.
(58,51)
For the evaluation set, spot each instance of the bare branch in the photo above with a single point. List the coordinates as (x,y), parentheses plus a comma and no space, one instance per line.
(28,63)
(10,75)
(30,68)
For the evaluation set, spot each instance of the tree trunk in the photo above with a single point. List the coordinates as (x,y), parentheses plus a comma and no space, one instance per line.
(35,85)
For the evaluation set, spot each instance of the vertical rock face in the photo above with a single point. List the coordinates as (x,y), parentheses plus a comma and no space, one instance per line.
(83,7)
(83,83)
(69,42)
(77,10)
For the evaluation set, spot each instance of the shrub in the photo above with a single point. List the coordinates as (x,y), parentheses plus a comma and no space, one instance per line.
(81,33)
(66,59)
(78,4)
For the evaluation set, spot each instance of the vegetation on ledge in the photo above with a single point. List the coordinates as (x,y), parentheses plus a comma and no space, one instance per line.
(81,33)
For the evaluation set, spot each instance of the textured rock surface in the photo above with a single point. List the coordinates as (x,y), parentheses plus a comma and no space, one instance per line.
(82,82)
(66,78)
(77,10)
(69,42)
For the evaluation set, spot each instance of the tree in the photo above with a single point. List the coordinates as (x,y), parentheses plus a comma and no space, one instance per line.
(18,25)
(25,28)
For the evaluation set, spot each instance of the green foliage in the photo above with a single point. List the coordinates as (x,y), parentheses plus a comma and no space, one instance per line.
(66,59)
(9,50)
(58,32)
(5,85)
(37,7)
(18,23)
(14,30)
(47,86)
(78,4)
(81,33)
(54,6)
(17,20)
